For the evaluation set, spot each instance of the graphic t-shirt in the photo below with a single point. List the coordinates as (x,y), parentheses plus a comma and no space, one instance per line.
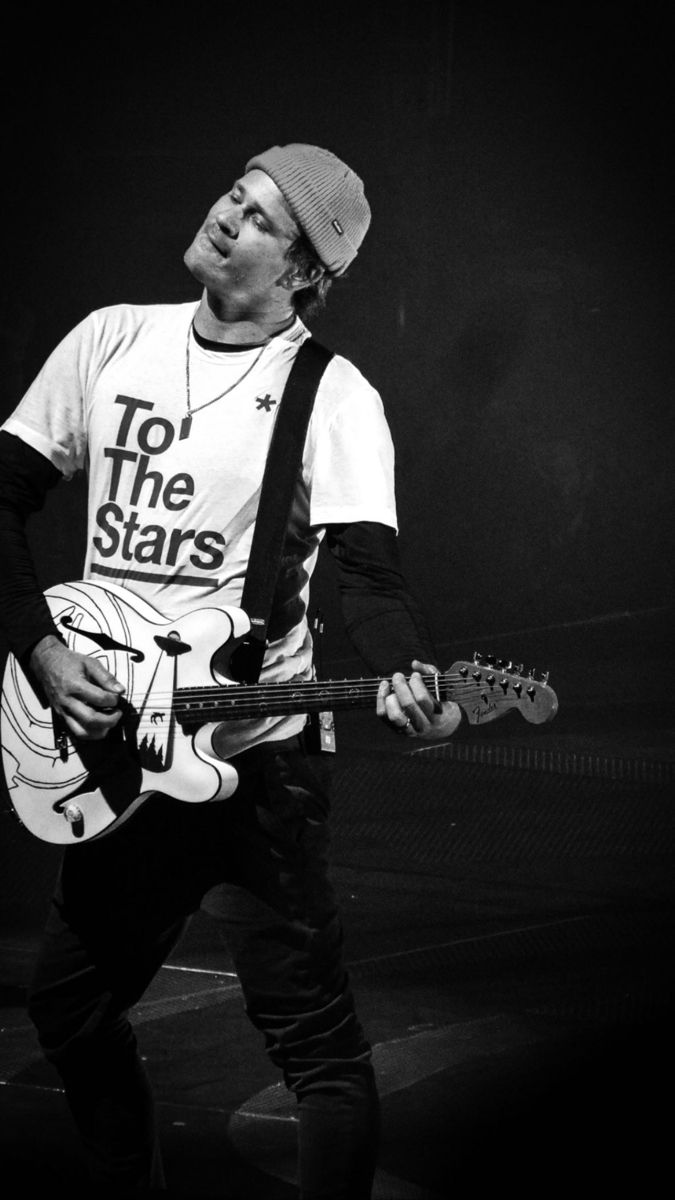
(172,504)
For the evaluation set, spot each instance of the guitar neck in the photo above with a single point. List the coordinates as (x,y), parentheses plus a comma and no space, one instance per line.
(241,701)
(484,691)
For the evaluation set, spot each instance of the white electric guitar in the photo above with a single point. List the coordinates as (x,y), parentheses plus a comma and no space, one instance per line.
(66,791)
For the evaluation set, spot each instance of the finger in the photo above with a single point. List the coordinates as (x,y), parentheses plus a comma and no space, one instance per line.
(404,720)
(382,692)
(95,686)
(412,701)
(100,675)
(405,705)
(389,709)
(421,694)
(399,700)
(95,699)
(400,688)
(398,718)
(428,669)
(400,722)
(87,722)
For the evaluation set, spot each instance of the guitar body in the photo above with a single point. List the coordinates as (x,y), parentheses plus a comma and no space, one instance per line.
(67,792)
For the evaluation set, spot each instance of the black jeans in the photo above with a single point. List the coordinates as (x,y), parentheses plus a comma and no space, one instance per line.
(121,905)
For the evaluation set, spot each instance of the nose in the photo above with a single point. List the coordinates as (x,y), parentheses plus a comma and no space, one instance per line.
(227,218)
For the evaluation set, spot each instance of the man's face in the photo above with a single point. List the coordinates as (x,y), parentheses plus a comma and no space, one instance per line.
(239,254)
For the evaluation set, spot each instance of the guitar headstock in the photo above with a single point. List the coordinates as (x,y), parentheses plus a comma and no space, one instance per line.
(487,688)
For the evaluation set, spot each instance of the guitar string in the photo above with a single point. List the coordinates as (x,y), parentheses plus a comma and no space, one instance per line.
(187,698)
(246,702)
(335,688)
(360,684)
(309,688)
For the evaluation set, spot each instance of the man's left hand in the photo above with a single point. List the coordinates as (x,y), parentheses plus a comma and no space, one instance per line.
(408,707)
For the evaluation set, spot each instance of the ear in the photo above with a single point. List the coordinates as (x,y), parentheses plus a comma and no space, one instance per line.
(297,278)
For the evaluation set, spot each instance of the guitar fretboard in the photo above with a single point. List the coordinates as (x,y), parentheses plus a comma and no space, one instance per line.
(241,701)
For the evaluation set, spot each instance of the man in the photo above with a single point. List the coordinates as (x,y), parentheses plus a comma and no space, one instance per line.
(170,409)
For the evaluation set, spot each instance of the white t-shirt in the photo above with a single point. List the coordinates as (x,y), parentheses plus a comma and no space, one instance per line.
(172,518)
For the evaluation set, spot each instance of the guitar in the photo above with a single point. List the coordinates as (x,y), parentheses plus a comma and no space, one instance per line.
(66,791)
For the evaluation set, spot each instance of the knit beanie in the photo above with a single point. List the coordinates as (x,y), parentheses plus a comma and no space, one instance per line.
(326,198)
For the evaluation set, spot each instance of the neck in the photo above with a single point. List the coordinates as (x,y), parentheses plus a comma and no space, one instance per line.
(216,324)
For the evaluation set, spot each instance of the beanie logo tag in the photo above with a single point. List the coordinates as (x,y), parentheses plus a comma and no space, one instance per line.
(337,226)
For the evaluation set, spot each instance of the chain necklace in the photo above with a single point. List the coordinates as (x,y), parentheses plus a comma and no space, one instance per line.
(186,423)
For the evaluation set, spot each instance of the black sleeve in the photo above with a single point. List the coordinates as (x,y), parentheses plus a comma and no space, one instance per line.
(383,619)
(25,479)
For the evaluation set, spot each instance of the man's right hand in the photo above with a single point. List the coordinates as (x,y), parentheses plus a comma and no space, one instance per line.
(78,687)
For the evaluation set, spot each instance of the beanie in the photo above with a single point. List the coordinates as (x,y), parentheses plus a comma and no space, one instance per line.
(326,197)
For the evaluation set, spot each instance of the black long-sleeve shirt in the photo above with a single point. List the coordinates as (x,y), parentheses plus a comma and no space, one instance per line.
(383,619)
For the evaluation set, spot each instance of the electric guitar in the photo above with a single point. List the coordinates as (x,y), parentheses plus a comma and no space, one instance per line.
(178,689)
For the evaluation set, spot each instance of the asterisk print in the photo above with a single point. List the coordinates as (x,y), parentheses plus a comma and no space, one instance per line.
(265,402)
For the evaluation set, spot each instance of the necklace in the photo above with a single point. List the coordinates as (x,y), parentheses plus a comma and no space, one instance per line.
(186,423)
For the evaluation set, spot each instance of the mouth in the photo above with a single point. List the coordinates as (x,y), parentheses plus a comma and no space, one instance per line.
(217,244)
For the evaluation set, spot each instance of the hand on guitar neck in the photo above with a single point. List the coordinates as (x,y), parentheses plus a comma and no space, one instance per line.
(410,708)
(77,687)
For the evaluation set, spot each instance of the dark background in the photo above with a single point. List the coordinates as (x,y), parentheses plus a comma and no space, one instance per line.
(512,302)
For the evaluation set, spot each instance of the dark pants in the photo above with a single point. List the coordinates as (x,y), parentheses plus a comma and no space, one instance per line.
(121,905)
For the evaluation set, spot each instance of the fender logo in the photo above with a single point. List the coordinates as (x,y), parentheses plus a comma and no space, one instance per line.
(483,710)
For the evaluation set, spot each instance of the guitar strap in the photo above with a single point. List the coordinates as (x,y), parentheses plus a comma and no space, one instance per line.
(283,463)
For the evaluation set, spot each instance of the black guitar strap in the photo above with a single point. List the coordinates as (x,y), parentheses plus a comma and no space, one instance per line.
(283,463)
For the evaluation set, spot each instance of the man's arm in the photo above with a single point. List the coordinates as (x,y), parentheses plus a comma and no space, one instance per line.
(26,478)
(387,627)
(78,687)
(383,619)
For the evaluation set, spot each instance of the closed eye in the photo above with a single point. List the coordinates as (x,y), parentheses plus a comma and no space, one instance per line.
(258,217)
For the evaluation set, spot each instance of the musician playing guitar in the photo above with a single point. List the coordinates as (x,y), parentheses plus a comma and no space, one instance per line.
(169,409)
